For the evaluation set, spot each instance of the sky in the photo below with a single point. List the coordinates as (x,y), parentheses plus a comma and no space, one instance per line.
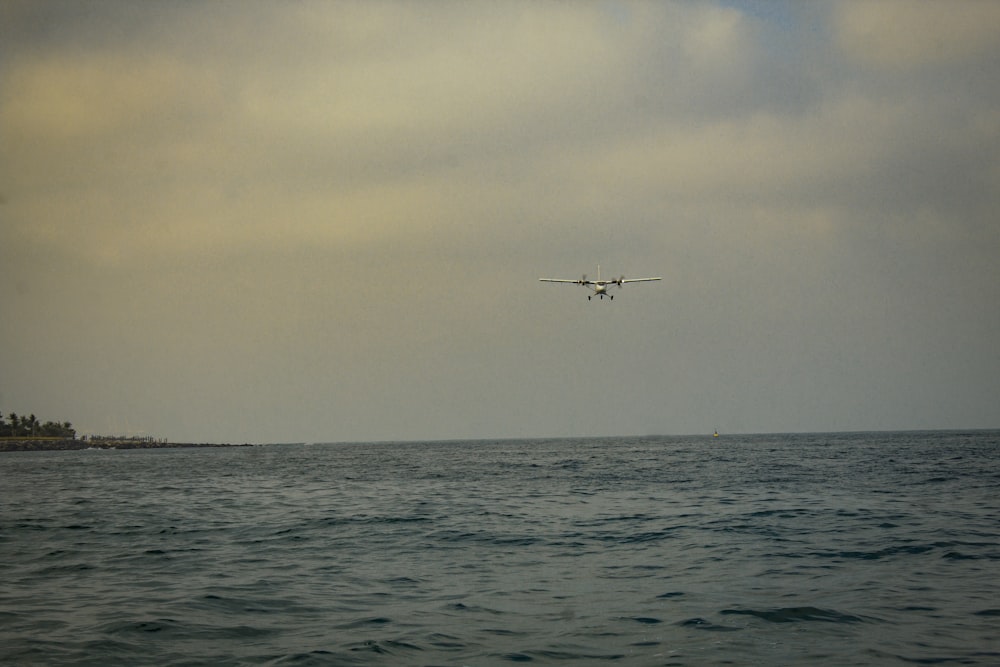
(326,221)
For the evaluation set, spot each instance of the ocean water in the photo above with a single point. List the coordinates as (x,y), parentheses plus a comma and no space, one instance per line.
(820,549)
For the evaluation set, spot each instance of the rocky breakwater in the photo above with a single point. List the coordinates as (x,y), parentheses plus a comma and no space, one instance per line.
(58,444)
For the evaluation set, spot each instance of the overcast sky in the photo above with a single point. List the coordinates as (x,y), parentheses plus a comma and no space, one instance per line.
(326,221)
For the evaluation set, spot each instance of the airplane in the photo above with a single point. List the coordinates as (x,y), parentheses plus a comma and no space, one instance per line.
(599,287)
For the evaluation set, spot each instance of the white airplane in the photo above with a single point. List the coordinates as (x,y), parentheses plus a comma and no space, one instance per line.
(599,287)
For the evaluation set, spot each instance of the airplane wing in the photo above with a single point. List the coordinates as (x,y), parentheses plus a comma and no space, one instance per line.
(563,280)
(639,280)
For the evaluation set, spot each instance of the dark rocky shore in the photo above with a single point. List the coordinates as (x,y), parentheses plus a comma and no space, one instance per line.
(46,444)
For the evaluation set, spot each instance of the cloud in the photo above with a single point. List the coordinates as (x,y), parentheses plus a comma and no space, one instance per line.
(899,34)
(62,100)
(353,137)
(339,212)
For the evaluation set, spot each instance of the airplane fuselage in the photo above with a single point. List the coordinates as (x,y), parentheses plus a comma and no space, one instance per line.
(600,289)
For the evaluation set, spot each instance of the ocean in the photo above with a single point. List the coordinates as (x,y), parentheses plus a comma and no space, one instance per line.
(801,549)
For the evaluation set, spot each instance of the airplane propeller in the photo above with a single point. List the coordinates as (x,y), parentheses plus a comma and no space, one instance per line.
(621,280)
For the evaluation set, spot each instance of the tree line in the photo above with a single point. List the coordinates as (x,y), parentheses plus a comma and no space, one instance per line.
(16,426)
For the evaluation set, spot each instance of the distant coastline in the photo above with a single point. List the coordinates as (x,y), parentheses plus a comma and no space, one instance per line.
(66,444)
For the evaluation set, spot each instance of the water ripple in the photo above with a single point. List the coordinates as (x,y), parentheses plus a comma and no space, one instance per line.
(837,549)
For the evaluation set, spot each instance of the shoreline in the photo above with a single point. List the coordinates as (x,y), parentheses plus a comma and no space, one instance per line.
(42,445)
